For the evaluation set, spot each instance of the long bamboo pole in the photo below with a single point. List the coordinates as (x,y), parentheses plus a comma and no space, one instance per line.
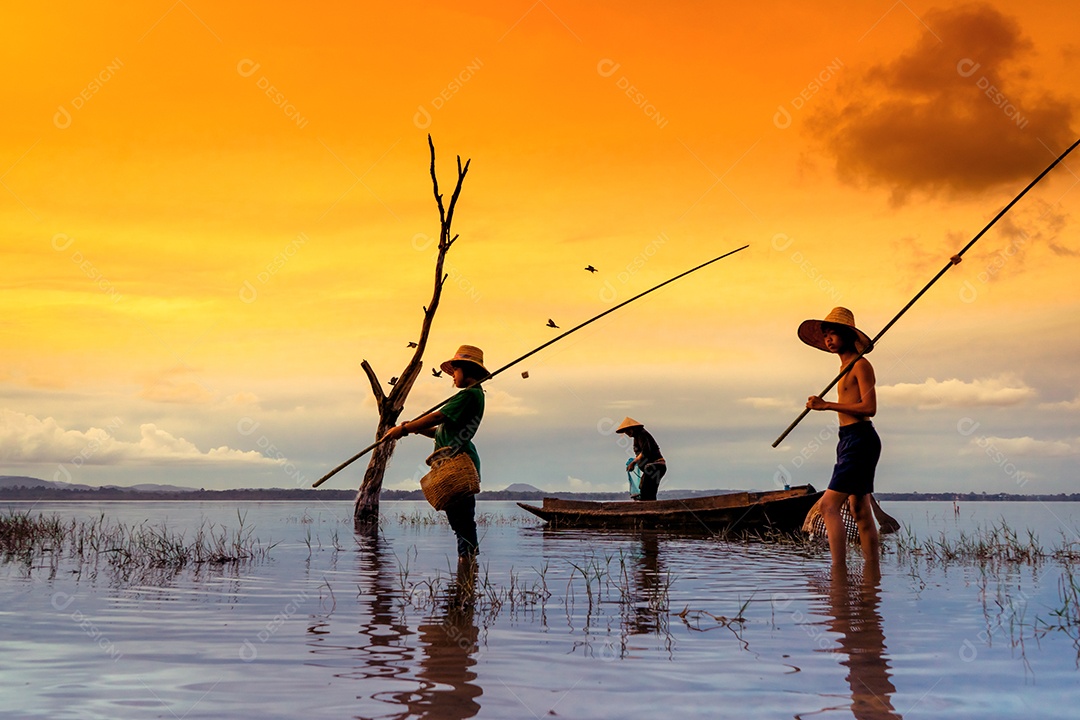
(529,354)
(954,260)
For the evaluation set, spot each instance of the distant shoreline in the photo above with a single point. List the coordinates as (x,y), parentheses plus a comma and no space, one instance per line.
(258,494)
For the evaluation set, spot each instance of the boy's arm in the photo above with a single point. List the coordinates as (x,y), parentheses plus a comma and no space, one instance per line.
(425,425)
(866,406)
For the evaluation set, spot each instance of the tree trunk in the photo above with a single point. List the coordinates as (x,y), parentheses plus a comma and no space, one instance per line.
(366,509)
(366,506)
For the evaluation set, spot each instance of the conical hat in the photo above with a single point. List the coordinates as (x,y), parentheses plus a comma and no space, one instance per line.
(628,423)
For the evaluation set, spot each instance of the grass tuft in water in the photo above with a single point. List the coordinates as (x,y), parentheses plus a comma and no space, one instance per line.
(998,544)
(31,539)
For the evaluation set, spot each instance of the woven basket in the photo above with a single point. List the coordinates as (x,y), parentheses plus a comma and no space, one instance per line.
(452,475)
(814,525)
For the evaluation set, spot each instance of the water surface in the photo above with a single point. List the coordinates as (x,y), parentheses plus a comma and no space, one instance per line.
(561,623)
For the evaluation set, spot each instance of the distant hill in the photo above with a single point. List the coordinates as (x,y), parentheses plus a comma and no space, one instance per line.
(522,488)
(22,481)
(154,488)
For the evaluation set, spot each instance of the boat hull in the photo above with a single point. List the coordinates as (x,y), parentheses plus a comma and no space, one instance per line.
(777,510)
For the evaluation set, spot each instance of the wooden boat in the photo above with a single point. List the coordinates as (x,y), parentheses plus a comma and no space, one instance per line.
(778,510)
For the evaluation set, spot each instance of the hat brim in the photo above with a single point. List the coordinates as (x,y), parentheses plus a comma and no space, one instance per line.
(624,430)
(811,334)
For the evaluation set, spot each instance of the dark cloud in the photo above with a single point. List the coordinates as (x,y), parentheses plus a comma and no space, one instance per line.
(958,113)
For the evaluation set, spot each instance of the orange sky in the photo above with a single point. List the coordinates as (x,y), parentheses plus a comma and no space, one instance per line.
(211,215)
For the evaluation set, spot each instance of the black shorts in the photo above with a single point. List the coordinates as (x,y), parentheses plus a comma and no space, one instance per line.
(857,455)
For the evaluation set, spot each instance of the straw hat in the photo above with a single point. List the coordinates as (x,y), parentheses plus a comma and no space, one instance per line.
(628,423)
(810,330)
(465,354)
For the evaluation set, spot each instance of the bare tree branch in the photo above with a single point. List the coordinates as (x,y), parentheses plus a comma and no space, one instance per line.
(376,386)
(390,405)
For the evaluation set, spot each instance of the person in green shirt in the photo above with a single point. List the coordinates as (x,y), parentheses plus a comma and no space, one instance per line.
(453,425)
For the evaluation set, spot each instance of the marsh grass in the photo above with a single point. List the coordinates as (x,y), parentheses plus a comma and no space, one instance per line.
(472,586)
(1000,553)
(47,540)
(418,517)
(1064,619)
(594,584)
(995,546)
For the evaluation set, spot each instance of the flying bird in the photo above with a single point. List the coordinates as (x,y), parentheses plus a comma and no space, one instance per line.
(590,268)
(525,374)
(436,373)
(411,344)
(551,323)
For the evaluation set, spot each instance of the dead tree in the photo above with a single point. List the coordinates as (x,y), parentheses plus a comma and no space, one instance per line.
(390,405)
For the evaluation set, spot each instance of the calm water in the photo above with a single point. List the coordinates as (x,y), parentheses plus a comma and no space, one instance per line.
(567,624)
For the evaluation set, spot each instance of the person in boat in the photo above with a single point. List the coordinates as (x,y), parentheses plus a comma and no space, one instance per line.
(646,456)
(453,425)
(859,446)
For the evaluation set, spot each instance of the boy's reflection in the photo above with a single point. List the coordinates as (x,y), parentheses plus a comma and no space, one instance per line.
(853,608)
(449,642)
(443,686)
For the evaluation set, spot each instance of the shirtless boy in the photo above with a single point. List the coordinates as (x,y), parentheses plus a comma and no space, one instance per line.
(859,447)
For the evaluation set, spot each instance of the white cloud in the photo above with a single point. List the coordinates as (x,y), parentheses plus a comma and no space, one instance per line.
(574,484)
(500,402)
(1022,446)
(998,391)
(765,403)
(1073,404)
(26,439)
(401,483)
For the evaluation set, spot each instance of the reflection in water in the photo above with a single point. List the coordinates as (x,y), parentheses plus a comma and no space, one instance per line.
(447,688)
(649,592)
(853,609)
(432,681)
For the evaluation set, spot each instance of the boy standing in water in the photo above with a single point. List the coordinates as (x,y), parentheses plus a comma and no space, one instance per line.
(859,447)
(454,425)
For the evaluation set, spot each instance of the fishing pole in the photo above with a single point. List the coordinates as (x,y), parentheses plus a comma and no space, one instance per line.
(954,260)
(529,354)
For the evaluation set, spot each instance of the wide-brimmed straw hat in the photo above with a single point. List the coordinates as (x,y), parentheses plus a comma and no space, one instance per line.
(465,354)
(628,423)
(811,334)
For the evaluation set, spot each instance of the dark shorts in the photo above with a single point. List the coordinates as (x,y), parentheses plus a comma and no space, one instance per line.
(857,455)
(651,475)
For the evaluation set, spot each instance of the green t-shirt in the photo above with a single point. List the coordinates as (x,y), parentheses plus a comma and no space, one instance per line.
(463,415)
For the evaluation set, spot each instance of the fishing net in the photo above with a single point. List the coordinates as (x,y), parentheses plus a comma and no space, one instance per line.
(814,525)
(634,478)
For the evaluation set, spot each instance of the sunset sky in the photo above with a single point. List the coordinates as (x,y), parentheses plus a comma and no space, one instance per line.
(212,213)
